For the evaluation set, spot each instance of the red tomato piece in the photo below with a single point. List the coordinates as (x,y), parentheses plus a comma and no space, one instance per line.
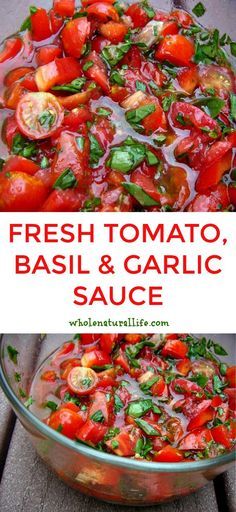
(202,414)
(67,422)
(47,54)
(91,432)
(97,71)
(127,440)
(114,31)
(40,25)
(186,387)
(76,117)
(49,376)
(159,387)
(168,454)
(70,155)
(58,72)
(64,8)
(175,348)
(20,192)
(170,28)
(56,21)
(11,48)
(75,35)
(219,78)
(89,339)
(211,175)
(184,366)
(103,11)
(138,15)
(231,392)
(176,49)
(39,115)
(182,17)
(231,376)
(221,435)
(100,403)
(214,200)
(20,164)
(188,79)
(192,116)
(95,358)
(196,440)
(108,341)
(16,74)
(63,201)
(10,129)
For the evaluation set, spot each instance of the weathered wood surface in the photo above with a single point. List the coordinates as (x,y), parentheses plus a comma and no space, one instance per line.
(28,486)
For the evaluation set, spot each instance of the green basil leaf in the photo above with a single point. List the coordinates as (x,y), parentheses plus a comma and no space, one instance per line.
(139,408)
(117,78)
(148,9)
(97,417)
(219,350)
(147,428)
(103,112)
(12,353)
(73,87)
(233,106)
(118,403)
(51,405)
(233,48)
(114,53)
(66,180)
(151,158)
(46,119)
(140,86)
(89,64)
(213,105)
(126,157)
(138,193)
(23,147)
(29,402)
(70,398)
(91,204)
(136,115)
(96,150)
(145,386)
(199,9)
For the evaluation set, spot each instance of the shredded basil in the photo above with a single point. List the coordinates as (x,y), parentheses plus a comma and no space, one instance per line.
(91,204)
(146,386)
(66,180)
(114,53)
(138,193)
(213,105)
(118,404)
(51,405)
(136,115)
(116,78)
(139,408)
(23,147)
(96,150)
(233,106)
(46,119)
(12,353)
(199,9)
(89,64)
(97,417)
(73,87)
(147,428)
(126,157)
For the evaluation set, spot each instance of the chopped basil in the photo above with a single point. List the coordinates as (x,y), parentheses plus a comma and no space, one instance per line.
(102,368)
(143,447)
(46,119)
(116,78)
(103,112)
(66,180)
(17,377)
(44,163)
(210,51)
(96,150)
(180,119)
(89,64)
(51,405)
(12,353)
(140,86)
(146,386)
(2,162)
(133,350)
(118,404)
(148,9)
(97,417)
(139,408)
(199,9)
(233,48)
(70,398)
(160,139)
(139,194)
(136,115)
(126,157)
(29,402)
(147,428)
(73,87)
(223,369)
(218,385)
(118,8)
(26,25)
(86,382)
(91,204)
(233,106)
(167,101)
(112,432)
(114,444)
(151,158)
(21,146)
(200,379)
(213,105)
(201,347)
(114,53)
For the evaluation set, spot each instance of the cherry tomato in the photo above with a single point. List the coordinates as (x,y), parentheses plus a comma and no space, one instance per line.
(75,35)
(196,440)
(218,78)
(114,31)
(70,155)
(82,381)
(138,15)
(214,200)
(58,72)
(188,79)
(202,414)
(16,74)
(39,114)
(97,71)
(49,376)
(186,387)
(91,432)
(184,366)
(67,422)
(124,443)
(221,435)
(21,192)
(176,49)
(182,17)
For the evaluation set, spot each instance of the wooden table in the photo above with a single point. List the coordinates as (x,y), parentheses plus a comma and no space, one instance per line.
(28,486)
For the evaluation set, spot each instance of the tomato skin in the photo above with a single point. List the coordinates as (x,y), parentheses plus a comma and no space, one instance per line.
(14,94)
(114,31)
(67,366)
(17,163)
(69,420)
(47,54)
(220,78)
(184,366)
(75,35)
(108,341)
(98,71)
(126,439)
(16,74)
(73,101)
(69,155)
(231,392)
(175,348)
(64,7)
(122,361)
(211,175)
(212,201)
(202,414)
(95,358)
(30,107)
(98,43)
(146,183)
(60,71)
(221,435)
(159,387)
(186,387)
(100,403)
(89,339)
(10,130)
(21,192)
(76,117)
(196,440)
(231,376)
(138,15)
(182,17)
(40,25)
(193,115)
(91,432)
(103,11)
(176,49)
(168,454)
(56,21)
(63,201)
(11,48)
(188,79)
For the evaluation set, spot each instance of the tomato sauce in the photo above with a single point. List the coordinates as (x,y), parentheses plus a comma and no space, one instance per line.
(113,108)
(164,398)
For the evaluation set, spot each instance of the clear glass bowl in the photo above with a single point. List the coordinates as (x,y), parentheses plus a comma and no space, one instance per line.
(104,476)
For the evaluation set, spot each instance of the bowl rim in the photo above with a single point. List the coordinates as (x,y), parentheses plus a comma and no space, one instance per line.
(103,457)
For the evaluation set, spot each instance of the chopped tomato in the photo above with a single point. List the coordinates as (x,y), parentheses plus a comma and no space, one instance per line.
(16,74)
(20,164)
(221,435)
(169,28)
(56,21)
(67,365)
(214,200)
(64,7)
(97,71)
(21,192)
(202,414)
(218,78)
(188,79)
(185,115)
(176,49)
(184,366)
(69,154)
(138,15)
(124,443)
(58,72)
(182,17)
(88,339)
(82,381)
(231,376)
(49,376)
(108,341)
(168,454)
(95,358)
(75,35)
(40,25)
(103,11)
(11,48)
(63,201)
(91,432)
(101,404)
(175,348)
(196,440)
(39,115)
(231,393)
(186,387)
(67,422)
(211,175)
(114,31)
(47,54)
(159,387)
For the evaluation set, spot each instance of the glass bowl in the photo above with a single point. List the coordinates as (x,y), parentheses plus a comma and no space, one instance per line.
(104,476)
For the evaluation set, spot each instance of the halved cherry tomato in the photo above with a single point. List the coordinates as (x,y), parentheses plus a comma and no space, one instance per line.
(95,358)
(103,11)
(176,49)
(231,376)
(175,348)
(67,422)
(114,31)
(75,35)
(47,54)
(218,78)
(11,48)
(82,381)
(40,25)
(196,440)
(91,432)
(67,365)
(108,341)
(64,7)
(39,114)
(202,414)
(21,192)
(20,164)
(182,17)
(63,201)
(221,435)
(138,15)
(168,454)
